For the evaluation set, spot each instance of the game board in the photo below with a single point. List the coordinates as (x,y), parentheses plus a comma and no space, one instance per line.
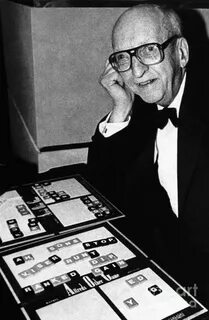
(93,274)
(39,210)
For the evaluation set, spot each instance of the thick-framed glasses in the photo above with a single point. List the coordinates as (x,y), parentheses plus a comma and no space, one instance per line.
(148,54)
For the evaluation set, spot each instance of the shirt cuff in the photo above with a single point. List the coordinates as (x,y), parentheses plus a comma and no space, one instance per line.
(107,129)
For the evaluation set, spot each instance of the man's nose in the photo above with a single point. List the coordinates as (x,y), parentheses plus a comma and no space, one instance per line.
(138,68)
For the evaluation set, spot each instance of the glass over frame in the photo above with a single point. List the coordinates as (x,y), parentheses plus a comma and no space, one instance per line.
(147,54)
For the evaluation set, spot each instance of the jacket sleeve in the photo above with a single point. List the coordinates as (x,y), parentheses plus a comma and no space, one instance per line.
(109,159)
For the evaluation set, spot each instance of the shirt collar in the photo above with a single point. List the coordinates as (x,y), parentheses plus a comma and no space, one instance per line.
(177,100)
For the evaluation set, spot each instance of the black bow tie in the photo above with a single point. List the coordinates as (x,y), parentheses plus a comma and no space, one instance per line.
(163,115)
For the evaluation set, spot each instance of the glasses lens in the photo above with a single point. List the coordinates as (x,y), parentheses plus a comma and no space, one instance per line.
(149,54)
(122,61)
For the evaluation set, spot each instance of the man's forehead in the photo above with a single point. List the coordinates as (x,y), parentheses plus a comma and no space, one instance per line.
(137,28)
(136,36)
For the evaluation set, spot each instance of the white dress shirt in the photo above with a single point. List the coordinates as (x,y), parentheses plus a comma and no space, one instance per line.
(165,148)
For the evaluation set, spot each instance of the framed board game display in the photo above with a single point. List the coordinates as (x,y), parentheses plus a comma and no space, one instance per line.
(94,274)
(38,210)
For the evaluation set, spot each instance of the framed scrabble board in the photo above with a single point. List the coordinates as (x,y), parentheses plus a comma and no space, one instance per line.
(38,210)
(93,274)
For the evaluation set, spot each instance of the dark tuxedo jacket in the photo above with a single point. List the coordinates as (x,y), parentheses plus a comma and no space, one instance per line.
(122,167)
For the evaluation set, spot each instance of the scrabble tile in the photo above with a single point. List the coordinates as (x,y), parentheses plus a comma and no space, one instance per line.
(132,282)
(47,263)
(99,204)
(28,291)
(24,213)
(97,271)
(141,278)
(56,281)
(57,198)
(59,246)
(75,241)
(46,197)
(112,240)
(42,191)
(14,229)
(28,257)
(103,209)
(93,198)
(93,254)
(18,260)
(17,234)
(130,303)
(95,211)
(55,259)
(51,248)
(114,266)
(122,264)
(103,242)
(32,221)
(37,185)
(90,204)
(83,198)
(83,255)
(106,270)
(24,274)
(68,261)
(73,275)
(34,270)
(76,258)
(94,262)
(91,207)
(52,193)
(47,285)
(64,278)
(155,290)
(35,228)
(12,221)
(111,257)
(39,266)
(99,215)
(21,207)
(37,288)
(71,242)
(65,197)
(102,259)
(89,245)
(86,201)
(96,202)
(107,213)
(61,193)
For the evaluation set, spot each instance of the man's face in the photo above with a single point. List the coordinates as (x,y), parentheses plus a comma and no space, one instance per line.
(157,83)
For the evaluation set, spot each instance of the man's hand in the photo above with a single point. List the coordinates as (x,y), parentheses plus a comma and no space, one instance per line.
(122,97)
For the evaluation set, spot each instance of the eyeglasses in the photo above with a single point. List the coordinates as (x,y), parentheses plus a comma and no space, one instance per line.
(148,54)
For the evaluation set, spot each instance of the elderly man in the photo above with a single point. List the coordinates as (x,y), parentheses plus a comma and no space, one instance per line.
(150,155)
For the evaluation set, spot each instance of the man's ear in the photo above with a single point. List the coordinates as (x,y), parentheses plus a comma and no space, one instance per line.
(183,51)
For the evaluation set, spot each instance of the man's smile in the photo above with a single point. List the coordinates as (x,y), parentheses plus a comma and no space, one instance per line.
(145,83)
